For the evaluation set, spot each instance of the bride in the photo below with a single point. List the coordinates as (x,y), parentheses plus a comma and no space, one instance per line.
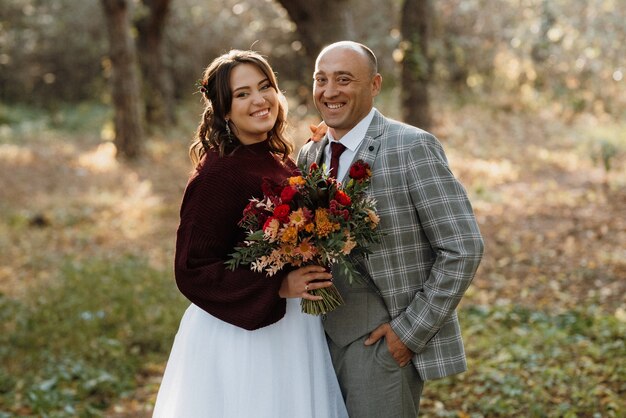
(243,348)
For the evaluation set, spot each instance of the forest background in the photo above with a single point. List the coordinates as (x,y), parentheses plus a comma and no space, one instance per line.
(98,104)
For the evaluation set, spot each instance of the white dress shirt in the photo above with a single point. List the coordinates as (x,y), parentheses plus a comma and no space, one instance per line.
(351,141)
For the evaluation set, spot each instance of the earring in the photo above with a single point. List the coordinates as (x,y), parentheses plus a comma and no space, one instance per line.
(228,133)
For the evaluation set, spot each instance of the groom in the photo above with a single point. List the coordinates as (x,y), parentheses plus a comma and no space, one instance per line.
(399,325)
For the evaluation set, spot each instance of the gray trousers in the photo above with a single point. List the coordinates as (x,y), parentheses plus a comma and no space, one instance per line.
(373,384)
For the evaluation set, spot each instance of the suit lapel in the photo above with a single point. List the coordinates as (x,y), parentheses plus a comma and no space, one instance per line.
(318,155)
(314,154)
(368,149)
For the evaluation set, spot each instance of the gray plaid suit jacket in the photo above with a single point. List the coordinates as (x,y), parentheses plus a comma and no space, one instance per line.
(431,246)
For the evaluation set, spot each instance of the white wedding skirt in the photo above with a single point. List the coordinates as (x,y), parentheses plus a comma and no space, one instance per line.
(218,370)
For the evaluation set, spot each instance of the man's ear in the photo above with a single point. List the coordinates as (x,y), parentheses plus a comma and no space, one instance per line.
(377,83)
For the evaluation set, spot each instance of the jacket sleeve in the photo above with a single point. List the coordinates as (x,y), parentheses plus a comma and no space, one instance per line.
(208,232)
(302,158)
(448,221)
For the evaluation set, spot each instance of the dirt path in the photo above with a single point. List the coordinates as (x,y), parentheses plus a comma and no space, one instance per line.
(554,223)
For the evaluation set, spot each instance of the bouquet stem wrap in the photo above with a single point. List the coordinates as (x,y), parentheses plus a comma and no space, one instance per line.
(332,300)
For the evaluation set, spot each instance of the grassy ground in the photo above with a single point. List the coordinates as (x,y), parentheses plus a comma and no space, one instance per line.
(89,308)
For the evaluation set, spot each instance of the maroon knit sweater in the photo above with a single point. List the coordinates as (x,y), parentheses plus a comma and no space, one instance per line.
(212,206)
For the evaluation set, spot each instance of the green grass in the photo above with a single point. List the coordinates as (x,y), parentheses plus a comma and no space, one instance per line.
(527,363)
(80,343)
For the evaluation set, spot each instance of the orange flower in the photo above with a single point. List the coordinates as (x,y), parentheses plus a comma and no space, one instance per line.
(373,218)
(323,226)
(287,250)
(349,245)
(296,181)
(306,250)
(297,218)
(289,235)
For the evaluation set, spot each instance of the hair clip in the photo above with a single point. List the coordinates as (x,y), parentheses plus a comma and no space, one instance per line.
(203,88)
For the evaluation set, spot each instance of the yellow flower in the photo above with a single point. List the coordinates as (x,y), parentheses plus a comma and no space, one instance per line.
(310,227)
(323,227)
(289,235)
(296,181)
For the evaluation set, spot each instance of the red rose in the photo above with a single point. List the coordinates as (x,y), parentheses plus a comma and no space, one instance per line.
(281,212)
(288,193)
(342,198)
(359,170)
(313,167)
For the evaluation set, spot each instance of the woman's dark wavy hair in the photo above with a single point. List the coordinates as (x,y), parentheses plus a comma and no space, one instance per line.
(217,95)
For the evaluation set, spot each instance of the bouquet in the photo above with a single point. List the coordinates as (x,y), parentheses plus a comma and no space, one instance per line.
(310,219)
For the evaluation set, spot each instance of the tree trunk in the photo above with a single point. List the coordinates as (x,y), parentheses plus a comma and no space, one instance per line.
(416,63)
(158,90)
(124,79)
(320,23)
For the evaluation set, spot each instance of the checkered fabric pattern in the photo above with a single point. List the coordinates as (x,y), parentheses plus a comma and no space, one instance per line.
(431,246)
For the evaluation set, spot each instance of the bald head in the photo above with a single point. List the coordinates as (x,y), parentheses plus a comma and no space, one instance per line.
(362,50)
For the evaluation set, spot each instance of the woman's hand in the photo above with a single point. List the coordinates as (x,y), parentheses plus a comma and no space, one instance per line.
(299,282)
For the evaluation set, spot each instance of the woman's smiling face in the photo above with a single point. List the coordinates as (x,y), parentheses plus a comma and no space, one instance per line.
(254,108)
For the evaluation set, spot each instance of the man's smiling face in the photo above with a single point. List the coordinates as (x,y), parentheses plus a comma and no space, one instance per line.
(344,88)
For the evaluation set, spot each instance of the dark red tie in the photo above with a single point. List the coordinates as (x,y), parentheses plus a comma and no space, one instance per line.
(336,149)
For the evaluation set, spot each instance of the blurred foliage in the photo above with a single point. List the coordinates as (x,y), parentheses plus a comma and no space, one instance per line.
(565,52)
(51,51)
(44,62)
(568,52)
